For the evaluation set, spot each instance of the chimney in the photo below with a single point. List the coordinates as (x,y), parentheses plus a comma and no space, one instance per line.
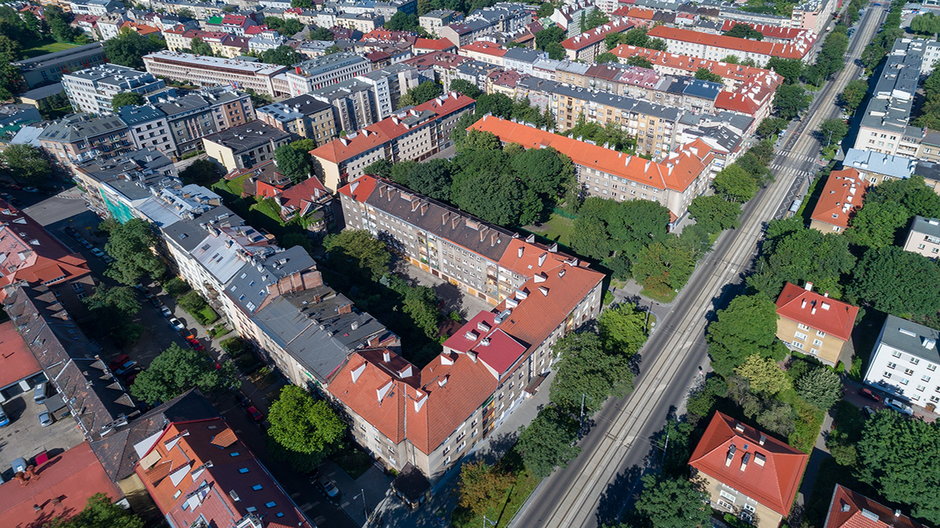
(813,311)
(744,460)
(730,456)
(803,304)
(520,250)
(809,286)
(344,309)
(386,356)
(472,355)
(762,439)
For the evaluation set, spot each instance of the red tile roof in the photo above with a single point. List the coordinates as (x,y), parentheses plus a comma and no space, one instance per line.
(491,344)
(849,509)
(16,360)
(377,134)
(389,35)
(769,31)
(176,470)
(841,197)
(141,29)
(441,44)
(794,50)
(677,172)
(484,47)
(592,37)
(28,253)
(816,310)
(61,487)
(759,466)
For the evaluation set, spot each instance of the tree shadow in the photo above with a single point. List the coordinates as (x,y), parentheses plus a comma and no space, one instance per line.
(619,496)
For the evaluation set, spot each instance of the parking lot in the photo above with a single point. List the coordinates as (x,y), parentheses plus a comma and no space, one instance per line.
(25,437)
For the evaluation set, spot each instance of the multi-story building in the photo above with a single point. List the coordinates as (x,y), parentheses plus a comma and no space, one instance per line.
(92,90)
(411,134)
(813,15)
(303,115)
(433,21)
(198,472)
(588,45)
(119,186)
(308,201)
(207,111)
(570,16)
(94,7)
(320,72)
(841,197)
(747,472)
(194,8)
(364,22)
(230,23)
(148,128)
(815,324)
(674,182)
(885,124)
(29,255)
(352,103)
(717,47)
(109,24)
(390,83)
(923,237)
(904,362)
(850,509)
(245,146)
(213,71)
(876,167)
(483,51)
(79,137)
(541,296)
(49,68)
(463,33)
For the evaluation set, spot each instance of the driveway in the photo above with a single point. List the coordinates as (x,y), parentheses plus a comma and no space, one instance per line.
(24,437)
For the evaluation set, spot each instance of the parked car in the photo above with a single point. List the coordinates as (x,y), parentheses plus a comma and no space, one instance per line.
(177,324)
(868,393)
(30,189)
(166,311)
(243,399)
(329,487)
(39,393)
(254,413)
(118,361)
(899,406)
(19,464)
(156,303)
(868,411)
(45,419)
(195,343)
(4,419)
(126,368)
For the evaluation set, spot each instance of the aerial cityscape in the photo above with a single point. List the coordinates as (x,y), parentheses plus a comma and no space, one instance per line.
(469,263)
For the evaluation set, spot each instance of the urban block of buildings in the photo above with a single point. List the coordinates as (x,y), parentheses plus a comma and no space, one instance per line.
(214,71)
(717,47)
(245,146)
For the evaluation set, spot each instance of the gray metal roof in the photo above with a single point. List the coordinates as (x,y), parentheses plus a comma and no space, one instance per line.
(80,127)
(248,136)
(248,287)
(624,103)
(294,108)
(927,226)
(911,337)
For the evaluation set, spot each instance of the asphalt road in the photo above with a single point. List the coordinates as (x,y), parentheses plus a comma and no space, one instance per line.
(597,485)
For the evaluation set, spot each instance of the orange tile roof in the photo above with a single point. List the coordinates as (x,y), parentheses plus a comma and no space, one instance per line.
(217,482)
(634,12)
(440,44)
(769,31)
(850,509)
(484,47)
(795,50)
(677,172)
(759,466)
(377,134)
(16,360)
(31,254)
(818,311)
(61,489)
(841,197)
(592,37)
(737,72)
(142,29)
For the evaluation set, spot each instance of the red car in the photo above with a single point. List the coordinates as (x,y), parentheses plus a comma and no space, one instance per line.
(119,361)
(255,414)
(870,395)
(195,344)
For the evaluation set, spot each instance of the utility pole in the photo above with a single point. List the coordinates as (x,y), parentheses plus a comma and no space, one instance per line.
(581,416)
(485,521)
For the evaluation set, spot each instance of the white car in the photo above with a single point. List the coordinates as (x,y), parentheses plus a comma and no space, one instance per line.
(177,324)
(899,406)
(166,312)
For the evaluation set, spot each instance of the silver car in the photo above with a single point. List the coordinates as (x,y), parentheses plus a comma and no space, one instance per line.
(18,465)
(45,419)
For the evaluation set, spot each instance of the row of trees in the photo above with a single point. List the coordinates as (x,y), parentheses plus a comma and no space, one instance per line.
(930,111)
(882,42)
(831,57)
(549,41)
(129,47)
(634,37)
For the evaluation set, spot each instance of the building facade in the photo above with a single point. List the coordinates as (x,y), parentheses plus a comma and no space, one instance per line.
(923,237)
(91,90)
(815,324)
(214,71)
(245,146)
(904,362)
(302,115)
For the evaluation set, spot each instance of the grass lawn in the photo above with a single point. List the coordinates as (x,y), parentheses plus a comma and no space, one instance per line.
(659,295)
(353,460)
(503,513)
(233,186)
(49,47)
(268,208)
(557,228)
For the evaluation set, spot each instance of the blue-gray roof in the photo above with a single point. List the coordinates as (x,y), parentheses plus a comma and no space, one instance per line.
(248,286)
(927,226)
(911,337)
(868,161)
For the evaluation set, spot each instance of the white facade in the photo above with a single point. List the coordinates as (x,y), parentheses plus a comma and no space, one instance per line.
(905,362)
(92,90)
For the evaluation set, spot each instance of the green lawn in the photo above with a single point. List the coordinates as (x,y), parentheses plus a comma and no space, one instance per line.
(557,228)
(49,47)
(503,513)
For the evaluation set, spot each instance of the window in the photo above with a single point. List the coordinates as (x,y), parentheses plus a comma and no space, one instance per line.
(817,342)
(243,470)
(896,354)
(932,367)
(802,326)
(820,333)
(725,495)
(799,335)
(925,378)
(914,361)
(909,372)
(886,375)
(892,365)
(270,504)
(797,344)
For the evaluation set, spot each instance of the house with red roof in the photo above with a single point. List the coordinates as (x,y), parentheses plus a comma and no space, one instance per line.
(200,473)
(770,32)
(308,201)
(673,182)
(432,416)
(30,255)
(484,51)
(716,47)
(588,45)
(425,45)
(58,488)
(814,323)
(747,472)
(841,198)
(411,134)
(19,368)
(850,509)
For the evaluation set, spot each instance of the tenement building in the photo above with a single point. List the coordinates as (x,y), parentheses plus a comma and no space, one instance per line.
(432,416)
(904,362)
(213,71)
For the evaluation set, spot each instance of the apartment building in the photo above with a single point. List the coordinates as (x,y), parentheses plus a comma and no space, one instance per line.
(118,186)
(213,71)
(484,51)
(94,7)
(746,472)
(192,116)
(352,103)
(49,68)
(303,115)
(30,256)
(674,182)
(230,23)
(411,134)
(813,15)
(841,198)
(390,83)
(850,509)
(885,124)
(570,15)
(181,38)
(815,324)
(91,90)
(433,21)
(199,472)
(79,137)
(485,367)
(588,45)
(199,10)
(904,362)
(245,146)
(320,72)
(923,237)
(877,167)
(465,32)
(716,47)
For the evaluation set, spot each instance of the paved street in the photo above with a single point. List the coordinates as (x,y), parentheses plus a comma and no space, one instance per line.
(597,486)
